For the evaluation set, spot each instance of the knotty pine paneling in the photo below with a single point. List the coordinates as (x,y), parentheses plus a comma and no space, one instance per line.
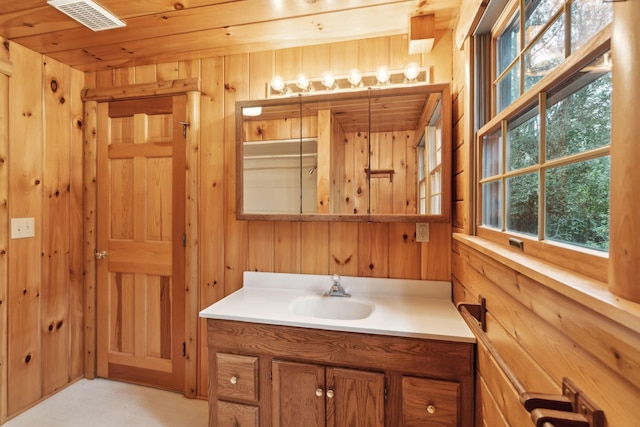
(45,279)
(544,336)
(55,236)
(25,200)
(211,286)
(4,220)
(76,236)
(461,146)
(229,247)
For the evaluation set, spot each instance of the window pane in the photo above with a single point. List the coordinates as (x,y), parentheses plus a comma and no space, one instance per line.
(522,204)
(577,204)
(581,120)
(587,18)
(523,135)
(491,154)
(537,14)
(508,88)
(491,205)
(545,54)
(507,44)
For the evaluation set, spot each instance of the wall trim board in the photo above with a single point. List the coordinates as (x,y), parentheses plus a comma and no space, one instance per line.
(143,90)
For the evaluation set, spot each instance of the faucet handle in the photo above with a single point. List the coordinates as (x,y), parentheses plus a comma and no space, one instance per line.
(335,278)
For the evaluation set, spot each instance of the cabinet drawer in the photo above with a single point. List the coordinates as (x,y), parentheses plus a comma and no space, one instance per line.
(429,403)
(237,376)
(237,415)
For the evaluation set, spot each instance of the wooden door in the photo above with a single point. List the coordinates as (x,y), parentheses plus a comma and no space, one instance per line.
(354,398)
(298,395)
(141,258)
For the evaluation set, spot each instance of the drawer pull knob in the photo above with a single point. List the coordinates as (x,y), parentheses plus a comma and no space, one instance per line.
(330,394)
(431,409)
(319,392)
(234,380)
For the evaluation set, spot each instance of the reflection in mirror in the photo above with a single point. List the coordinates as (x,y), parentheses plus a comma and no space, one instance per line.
(272,175)
(379,154)
(430,165)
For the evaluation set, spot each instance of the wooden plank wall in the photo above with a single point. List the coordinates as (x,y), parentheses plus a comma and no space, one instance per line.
(6,70)
(44,279)
(542,335)
(229,247)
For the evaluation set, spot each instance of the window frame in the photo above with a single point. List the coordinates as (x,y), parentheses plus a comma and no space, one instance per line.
(589,262)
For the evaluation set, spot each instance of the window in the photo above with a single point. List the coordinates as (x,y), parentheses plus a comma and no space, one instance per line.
(430,167)
(544,168)
(553,29)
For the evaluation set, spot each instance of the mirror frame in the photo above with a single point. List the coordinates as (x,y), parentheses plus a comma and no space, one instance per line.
(361,93)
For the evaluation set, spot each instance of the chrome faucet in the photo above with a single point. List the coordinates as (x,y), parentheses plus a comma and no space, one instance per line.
(336,289)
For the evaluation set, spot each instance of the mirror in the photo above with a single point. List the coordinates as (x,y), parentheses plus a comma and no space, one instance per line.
(372,154)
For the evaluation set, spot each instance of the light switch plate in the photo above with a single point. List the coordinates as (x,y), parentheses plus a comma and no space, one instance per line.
(22,228)
(422,232)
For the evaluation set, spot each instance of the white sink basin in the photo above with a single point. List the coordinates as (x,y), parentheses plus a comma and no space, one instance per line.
(337,308)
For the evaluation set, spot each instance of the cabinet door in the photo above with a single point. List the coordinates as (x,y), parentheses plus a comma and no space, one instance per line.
(298,395)
(354,398)
(430,403)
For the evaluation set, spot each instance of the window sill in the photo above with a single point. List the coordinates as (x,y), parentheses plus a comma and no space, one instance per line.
(583,290)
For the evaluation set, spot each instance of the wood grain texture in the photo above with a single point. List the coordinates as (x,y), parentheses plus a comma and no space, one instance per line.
(545,336)
(211,196)
(4,242)
(237,376)
(295,401)
(56,228)
(89,180)
(190,224)
(624,266)
(76,233)
(357,368)
(429,402)
(357,399)
(228,246)
(26,136)
(439,359)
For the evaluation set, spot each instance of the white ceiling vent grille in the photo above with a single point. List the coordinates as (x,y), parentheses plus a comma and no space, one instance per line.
(88,14)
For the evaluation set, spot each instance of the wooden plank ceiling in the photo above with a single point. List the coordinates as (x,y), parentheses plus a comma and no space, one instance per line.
(169,30)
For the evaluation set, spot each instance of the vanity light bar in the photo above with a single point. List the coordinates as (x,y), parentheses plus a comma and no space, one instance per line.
(354,81)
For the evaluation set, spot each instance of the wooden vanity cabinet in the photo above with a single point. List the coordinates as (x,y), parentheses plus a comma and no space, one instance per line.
(317,396)
(282,376)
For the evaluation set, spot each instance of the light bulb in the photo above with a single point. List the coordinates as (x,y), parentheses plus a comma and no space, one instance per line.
(383,75)
(328,80)
(355,77)
(277,84)
(303,82)
(411,71)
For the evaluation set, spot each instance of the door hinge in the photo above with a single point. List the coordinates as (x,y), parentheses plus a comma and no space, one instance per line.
(270,377)
(386,392)
(185,125)
(184,240)
(184,349)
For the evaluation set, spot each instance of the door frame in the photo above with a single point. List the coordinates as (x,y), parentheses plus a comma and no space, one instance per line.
(91,97)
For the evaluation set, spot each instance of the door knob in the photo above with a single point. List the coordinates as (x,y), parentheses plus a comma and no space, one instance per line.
(101,255)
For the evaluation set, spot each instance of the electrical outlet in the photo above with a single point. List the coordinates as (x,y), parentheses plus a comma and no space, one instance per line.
(22,228)
(422,232)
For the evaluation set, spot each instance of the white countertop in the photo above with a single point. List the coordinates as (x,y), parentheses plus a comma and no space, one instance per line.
(408,308)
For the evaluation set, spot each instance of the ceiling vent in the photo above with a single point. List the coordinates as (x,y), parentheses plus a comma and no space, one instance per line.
(88,13)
